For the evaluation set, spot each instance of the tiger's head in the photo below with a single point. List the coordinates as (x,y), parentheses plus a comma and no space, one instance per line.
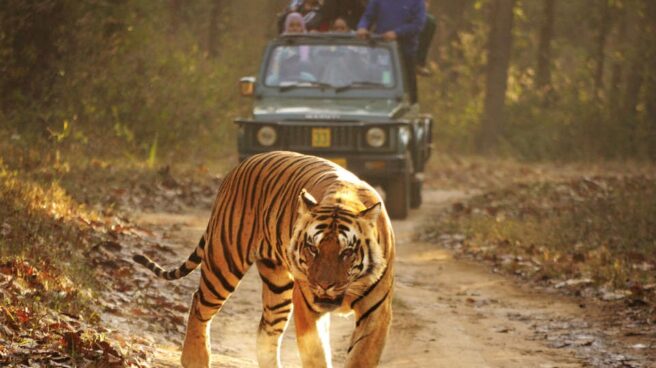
(334,248)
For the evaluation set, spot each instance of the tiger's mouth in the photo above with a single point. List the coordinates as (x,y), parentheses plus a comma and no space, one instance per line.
(329,303)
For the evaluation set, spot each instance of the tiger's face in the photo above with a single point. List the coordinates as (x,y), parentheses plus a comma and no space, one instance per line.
(333,249)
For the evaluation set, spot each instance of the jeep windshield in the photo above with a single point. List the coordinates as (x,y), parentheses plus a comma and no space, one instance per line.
(338,67)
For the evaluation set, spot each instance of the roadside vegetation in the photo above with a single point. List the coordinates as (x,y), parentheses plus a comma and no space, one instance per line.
(593,237)
(66,275)
(48,288)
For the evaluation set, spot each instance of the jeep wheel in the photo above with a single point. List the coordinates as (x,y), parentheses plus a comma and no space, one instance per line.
(415,193)
(397,197)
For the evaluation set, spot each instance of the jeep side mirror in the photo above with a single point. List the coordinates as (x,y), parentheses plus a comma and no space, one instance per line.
(247,86)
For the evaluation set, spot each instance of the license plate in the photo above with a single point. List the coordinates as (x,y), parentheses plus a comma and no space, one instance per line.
(320,137)
(339,161)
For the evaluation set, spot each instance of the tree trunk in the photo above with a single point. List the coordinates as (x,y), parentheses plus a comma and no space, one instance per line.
(213,30)
(617,69)
(498,60)
(637,53)
(650,80)
(174,8)
(600,52)
(543,73)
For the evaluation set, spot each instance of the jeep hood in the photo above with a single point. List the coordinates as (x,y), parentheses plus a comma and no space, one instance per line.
(327,109)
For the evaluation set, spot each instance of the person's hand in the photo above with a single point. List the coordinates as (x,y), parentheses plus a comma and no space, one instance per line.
(389,36)
(362,33)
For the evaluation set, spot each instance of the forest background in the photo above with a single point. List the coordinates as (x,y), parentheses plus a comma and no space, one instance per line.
(534,80)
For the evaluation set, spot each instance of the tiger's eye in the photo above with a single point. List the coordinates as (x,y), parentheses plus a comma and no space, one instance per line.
(346,253)
(312,250)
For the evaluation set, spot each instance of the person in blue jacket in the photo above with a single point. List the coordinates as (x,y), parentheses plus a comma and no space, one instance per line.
(400,20)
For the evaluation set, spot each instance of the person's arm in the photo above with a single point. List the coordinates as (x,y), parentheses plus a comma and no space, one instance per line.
(418,18)
(369,16)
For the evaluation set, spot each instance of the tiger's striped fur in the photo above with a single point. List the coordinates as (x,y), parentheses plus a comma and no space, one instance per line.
(321,241)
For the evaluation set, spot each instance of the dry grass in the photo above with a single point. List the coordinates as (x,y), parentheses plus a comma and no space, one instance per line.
(41,223)
(602,229)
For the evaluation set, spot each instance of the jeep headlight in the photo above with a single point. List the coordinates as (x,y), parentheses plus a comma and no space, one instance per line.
(404,135)
(266,136)
(375,137)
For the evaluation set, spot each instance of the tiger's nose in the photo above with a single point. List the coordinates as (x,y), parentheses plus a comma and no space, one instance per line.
(325,285)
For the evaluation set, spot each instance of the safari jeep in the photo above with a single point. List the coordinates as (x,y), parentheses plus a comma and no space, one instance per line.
(344,99)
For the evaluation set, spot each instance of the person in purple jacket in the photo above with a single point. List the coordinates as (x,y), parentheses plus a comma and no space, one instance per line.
(400,20)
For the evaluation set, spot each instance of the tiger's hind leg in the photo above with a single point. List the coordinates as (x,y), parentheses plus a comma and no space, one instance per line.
(214,290)
(277,288)
(196,349)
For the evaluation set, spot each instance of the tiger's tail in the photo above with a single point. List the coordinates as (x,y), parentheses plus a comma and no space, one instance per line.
(185,268)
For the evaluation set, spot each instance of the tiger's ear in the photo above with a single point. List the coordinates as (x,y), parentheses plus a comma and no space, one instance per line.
(306,202)
(371,213)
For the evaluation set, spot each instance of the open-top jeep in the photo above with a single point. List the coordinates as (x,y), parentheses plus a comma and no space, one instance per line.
(345,99)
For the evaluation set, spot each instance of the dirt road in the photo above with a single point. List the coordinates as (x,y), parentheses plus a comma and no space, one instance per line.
(447,312)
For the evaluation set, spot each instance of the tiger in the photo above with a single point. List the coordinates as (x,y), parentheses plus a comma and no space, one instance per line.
(322,242)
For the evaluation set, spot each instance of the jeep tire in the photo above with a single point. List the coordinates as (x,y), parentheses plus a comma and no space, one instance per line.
(397,196)
(415,193)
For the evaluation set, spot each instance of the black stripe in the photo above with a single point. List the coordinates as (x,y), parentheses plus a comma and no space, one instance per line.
(359,266)
(249,204)
(306,302)
(273,179)
(177,273)
(194,258)
(285,311)
(279,305)
(355,342)
(227,211)
(243,184)
(268,263)
(263,164)
(249,244)
(277,289)
(370,256)
(205,303)
(291,186)
(369,289)
(211,288)
(372,309)
(184,270)
(170,275)
(217,272)
(275,321)
(273,332)
(225,244)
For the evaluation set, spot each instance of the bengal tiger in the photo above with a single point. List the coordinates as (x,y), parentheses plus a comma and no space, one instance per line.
(322,242)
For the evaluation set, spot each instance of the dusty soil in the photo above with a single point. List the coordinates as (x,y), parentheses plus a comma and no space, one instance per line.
(447,312)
